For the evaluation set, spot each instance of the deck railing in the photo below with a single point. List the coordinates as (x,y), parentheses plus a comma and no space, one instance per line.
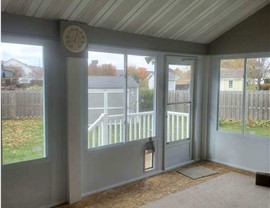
(109,129)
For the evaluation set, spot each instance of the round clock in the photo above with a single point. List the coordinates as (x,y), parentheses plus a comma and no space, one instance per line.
(74,39)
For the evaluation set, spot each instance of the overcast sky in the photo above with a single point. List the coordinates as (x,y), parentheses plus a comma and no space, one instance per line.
(29,54)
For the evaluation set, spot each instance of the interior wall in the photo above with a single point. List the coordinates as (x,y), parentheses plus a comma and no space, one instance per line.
(41,182)
(126,161)
(247,152)
(249,36)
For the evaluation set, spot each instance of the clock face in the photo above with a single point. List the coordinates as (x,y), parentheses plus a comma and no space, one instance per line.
(74,39)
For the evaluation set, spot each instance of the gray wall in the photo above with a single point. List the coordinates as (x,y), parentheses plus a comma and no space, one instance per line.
(124,162)
(251,35)
(234,149)
(43,181)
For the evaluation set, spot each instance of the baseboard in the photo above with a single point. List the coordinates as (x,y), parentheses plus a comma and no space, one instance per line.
(53,204)
(236,166)
(179,165)
(121,184)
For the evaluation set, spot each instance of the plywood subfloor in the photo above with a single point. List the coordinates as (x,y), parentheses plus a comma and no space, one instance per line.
(139,193)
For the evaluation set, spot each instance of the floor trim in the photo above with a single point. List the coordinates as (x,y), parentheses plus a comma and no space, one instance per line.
(233,165)
(121,184)
(135,179)
(53,204)
(179,165)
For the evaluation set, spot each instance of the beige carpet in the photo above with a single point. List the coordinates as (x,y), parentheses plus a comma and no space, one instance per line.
(231,190)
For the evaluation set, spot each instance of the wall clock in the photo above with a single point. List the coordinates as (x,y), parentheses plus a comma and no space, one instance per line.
(74,39)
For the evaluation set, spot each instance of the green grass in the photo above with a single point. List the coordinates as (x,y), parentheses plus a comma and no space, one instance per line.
(22,140)
(259,131)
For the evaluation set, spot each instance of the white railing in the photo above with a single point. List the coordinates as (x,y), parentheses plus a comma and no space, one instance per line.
(109,129)
(177,126)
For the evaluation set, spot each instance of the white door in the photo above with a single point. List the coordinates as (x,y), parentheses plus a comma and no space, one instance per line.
(178,125)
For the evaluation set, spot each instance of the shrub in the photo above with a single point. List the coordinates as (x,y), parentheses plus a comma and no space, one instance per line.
(146,99)
(265,86)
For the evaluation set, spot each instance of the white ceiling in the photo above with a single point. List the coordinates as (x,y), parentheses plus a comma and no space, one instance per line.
(190,20)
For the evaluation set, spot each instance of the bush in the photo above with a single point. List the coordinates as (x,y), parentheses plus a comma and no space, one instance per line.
(265,86)
(249,123)
(146,99)
(223,121)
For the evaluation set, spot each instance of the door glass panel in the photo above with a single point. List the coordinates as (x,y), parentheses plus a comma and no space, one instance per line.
(22,102)
(179,79)
(141,97)
(231,95)
(257,97)
(178,122)
(105,76)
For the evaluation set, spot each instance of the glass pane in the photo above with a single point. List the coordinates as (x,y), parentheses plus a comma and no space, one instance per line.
(257,97)
(148,160)
(141,97)
(179,81)
(178,122)
(22,100)
(231,86)
(105,76)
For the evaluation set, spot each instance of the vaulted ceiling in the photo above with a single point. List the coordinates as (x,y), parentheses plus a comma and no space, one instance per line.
(198,21)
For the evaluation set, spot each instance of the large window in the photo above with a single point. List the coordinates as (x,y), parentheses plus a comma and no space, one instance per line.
(120,98)
(22,102)
(244,96)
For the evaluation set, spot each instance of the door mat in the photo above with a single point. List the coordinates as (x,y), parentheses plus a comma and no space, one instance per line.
(197,172)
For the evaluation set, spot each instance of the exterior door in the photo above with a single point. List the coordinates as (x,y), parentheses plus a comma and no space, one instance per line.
(178,125)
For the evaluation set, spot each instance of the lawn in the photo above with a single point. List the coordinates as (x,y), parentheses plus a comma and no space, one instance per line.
(22,139)
(257,130)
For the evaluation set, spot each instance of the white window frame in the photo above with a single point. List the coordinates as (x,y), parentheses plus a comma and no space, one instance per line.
(244,57)
(126,52)
(35,42)
(230,84)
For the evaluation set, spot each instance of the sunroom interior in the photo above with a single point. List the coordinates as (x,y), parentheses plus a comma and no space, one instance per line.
(103,103)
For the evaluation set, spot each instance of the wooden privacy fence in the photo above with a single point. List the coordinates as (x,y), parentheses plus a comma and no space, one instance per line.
(21,104)
(25,104)
(257,105)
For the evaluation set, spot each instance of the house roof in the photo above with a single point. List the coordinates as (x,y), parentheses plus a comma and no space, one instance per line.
(172,77)
(107,82)
(193,21)
(233,73)
(14,62)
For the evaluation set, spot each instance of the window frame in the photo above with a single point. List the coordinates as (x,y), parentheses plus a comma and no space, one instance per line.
(14,39)
(243,56)
(230,85)
(126,52)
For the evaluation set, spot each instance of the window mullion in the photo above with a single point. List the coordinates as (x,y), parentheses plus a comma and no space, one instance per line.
(126,98)
(244,97)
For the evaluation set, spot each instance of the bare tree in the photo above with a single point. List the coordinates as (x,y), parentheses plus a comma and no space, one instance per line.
(258,69)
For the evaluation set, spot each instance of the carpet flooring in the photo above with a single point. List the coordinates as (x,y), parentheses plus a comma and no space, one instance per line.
(231,190)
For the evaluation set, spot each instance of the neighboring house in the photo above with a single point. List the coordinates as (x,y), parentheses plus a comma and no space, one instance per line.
(171,84)
(151,81)
(24,80)
(182,84)
(231,79)
(8,81)
(30,75)
(106,95)
(14,62)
